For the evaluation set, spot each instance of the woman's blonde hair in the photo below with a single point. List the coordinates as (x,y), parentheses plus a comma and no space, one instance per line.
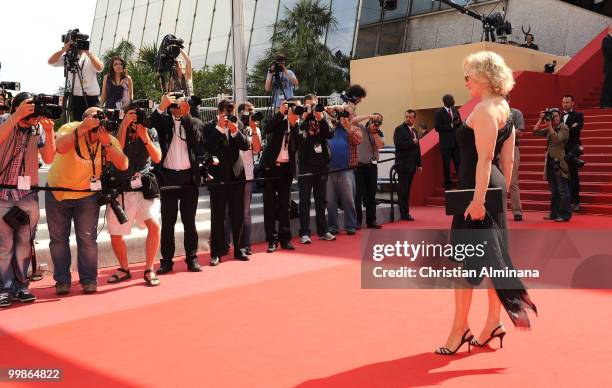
(490,68)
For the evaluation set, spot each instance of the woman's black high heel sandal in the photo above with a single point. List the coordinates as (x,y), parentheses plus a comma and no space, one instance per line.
(499,335)
(467,337)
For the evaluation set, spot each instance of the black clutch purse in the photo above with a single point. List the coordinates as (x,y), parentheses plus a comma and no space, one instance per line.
(457,201)
(16,217)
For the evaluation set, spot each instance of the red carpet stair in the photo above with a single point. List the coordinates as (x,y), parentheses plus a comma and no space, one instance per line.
(595,176)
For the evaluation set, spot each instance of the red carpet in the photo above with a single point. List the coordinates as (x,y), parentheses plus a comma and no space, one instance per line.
(301,319)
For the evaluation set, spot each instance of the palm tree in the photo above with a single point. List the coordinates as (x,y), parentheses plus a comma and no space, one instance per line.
(300,37)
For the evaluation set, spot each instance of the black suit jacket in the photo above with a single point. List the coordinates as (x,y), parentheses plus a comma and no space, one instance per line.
(407,150)
(164,123)
(230,165)
(308,159)
(275,131)
(574,132)
(447,127)
(606,48)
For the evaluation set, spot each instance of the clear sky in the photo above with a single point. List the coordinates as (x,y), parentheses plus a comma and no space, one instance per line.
(32,32)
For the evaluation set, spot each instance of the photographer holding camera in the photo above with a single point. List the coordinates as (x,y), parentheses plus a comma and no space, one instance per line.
(366,173)
(180,139)
(278,162)
(280,80)
(556,170)
(313,158)
(85,87)
(141,146)
(223,140)
(573,149)
(83,149)
(248,126)
(22,137)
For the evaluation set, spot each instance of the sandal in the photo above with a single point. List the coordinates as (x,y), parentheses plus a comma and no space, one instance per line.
(117,276)
(151,280)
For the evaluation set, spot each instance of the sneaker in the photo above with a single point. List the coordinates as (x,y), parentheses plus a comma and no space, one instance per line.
(305,240)
(90,288)
(62,288)
(5,301)
(24,296)
(327,237)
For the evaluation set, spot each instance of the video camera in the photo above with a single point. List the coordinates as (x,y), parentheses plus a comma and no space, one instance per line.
(79,42)
(15,86)
(574,156)
(46,106)
(169,50)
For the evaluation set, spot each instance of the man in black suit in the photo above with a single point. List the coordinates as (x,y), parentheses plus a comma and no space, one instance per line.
(407,161)
(606,49)
(448,120)
(223,140)
(180,139)
(529,42)
(278,162)
(574,121)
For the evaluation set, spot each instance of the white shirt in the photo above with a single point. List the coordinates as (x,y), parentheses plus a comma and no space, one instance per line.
(178,154)
(89,74)
(247,156)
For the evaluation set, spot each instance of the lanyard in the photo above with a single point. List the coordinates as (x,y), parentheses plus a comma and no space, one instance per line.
(92,155)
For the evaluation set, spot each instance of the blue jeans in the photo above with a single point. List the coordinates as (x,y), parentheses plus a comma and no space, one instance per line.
(15,247)
(85,213)
(341,185)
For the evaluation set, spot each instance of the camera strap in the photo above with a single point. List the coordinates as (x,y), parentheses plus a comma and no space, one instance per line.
(92,154)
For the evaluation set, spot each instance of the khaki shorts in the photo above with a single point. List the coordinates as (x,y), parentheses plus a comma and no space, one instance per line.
(137,209)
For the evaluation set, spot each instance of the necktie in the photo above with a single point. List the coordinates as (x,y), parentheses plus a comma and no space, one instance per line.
(450,113)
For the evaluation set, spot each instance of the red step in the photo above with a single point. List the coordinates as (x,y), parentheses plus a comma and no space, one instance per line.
(594,149)
(593,177)
(591,167)
(543,185)
(586,141)
(589,158)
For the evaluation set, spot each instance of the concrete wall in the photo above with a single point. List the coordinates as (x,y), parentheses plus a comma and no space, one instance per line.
(559,28)
(418,80)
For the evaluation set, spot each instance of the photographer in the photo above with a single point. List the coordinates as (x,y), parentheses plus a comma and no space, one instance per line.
(313,158)
(366,173)
(141,146)
(180,139)
(556,170)
(278,162)
(407,161)
(83,149)
(85,95)
(281,80)
(248,126)
(341,184)
(448,120)
(224,141)
(573,149)
(22,138)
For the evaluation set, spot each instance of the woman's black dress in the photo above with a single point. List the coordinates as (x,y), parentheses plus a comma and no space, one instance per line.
(493,228)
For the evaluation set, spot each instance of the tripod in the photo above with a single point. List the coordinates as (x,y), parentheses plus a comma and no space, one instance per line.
(277,88)
(71,65)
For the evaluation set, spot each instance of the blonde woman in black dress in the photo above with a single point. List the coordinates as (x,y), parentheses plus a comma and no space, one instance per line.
(486,136)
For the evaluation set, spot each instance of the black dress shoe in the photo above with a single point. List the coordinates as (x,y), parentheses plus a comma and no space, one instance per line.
(164,269)
(248,251)
(272,246)
(194,266)
(287,245)
(214,261)
(518,217)
(374,226)
(240,255)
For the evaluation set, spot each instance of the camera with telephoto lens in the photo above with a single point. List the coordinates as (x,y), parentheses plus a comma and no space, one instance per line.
(141,107)
(47,106)
(573,156)
(278,67)
(246,116)
(548,113)
(193,101)
(204,162)
(343,113)
(109,120)
(295,108)
(109,194)
(348,98)
(169,50)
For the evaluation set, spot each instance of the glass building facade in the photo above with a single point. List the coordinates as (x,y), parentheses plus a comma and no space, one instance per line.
(205,26)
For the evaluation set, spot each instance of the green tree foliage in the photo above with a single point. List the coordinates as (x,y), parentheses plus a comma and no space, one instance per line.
(300,37)
(211,81)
